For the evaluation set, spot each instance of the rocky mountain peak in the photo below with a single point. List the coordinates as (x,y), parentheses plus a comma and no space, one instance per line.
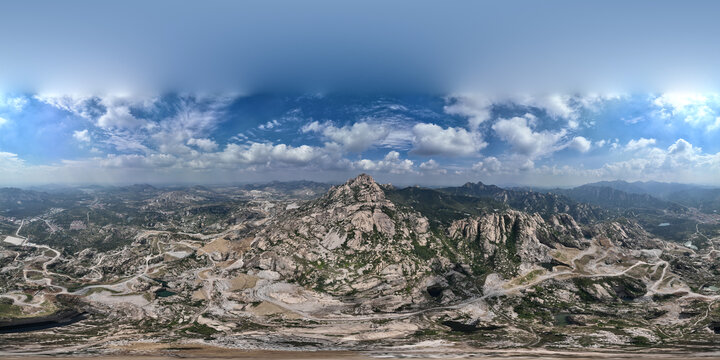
(361,180)
(479,184)
(362,188)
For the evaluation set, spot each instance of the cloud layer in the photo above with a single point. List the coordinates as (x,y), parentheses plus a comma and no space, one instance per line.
(174,138)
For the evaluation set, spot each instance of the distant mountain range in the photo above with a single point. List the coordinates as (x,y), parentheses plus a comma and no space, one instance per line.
(705,199)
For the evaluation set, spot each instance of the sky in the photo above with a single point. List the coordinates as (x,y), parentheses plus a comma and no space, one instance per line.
(542,93)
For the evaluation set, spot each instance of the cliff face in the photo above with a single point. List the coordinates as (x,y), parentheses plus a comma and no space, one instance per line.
(546,204)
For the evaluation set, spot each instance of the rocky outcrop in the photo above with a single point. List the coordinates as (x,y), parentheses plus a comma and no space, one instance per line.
(355,242)
(351,241)
(503,241)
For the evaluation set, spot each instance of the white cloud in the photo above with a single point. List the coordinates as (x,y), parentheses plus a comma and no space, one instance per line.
(679,101)
(194,119)
(3,121)
(391,163)
(119,117)
(108,112)
(80,105)
(269,125)
(527,165)
(431,139)
(637,144)
(555,105)
(432,167)
(681,162)
(429,165)
(580,144)
(203,144)
(356,137)
(266,153)
(13,103)
(694,109)
(683,148)
(312,127)
(489,164)
(10,161)
(82,135)
(139,161)
(478,108)
(519,133)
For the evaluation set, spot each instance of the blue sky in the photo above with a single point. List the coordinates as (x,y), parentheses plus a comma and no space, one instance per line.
(552,93)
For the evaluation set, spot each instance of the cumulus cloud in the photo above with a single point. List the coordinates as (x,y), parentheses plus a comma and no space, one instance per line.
(431,139)
(108,112)
(637,144)
(519,133)
(489,164)
(266,153)
(356,137)
(681,146)
(429,165)
(151,161)
(680,161)
(82,135)
(119,117)
(203,144)
(476,107)
(527,165)
(391,163)
(699,110)
(555,105)
(580,144)
(186,135)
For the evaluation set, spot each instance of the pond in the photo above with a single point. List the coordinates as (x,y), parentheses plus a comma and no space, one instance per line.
(61,318)
(163,292)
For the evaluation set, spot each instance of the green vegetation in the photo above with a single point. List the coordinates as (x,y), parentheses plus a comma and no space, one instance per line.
(8,310)
(640,341)
(623,287)
(201,329)
(442,208)
(423,252)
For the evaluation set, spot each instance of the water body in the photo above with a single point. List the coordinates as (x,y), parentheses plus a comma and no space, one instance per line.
(664,224)
(62,318)
(163,292)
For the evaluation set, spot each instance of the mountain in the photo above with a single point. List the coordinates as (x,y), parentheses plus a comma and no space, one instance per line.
(302,188)
(20,203)
(363,266)
(611,198)
(547,204)
(703,198)
(661,190)
(367,244)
